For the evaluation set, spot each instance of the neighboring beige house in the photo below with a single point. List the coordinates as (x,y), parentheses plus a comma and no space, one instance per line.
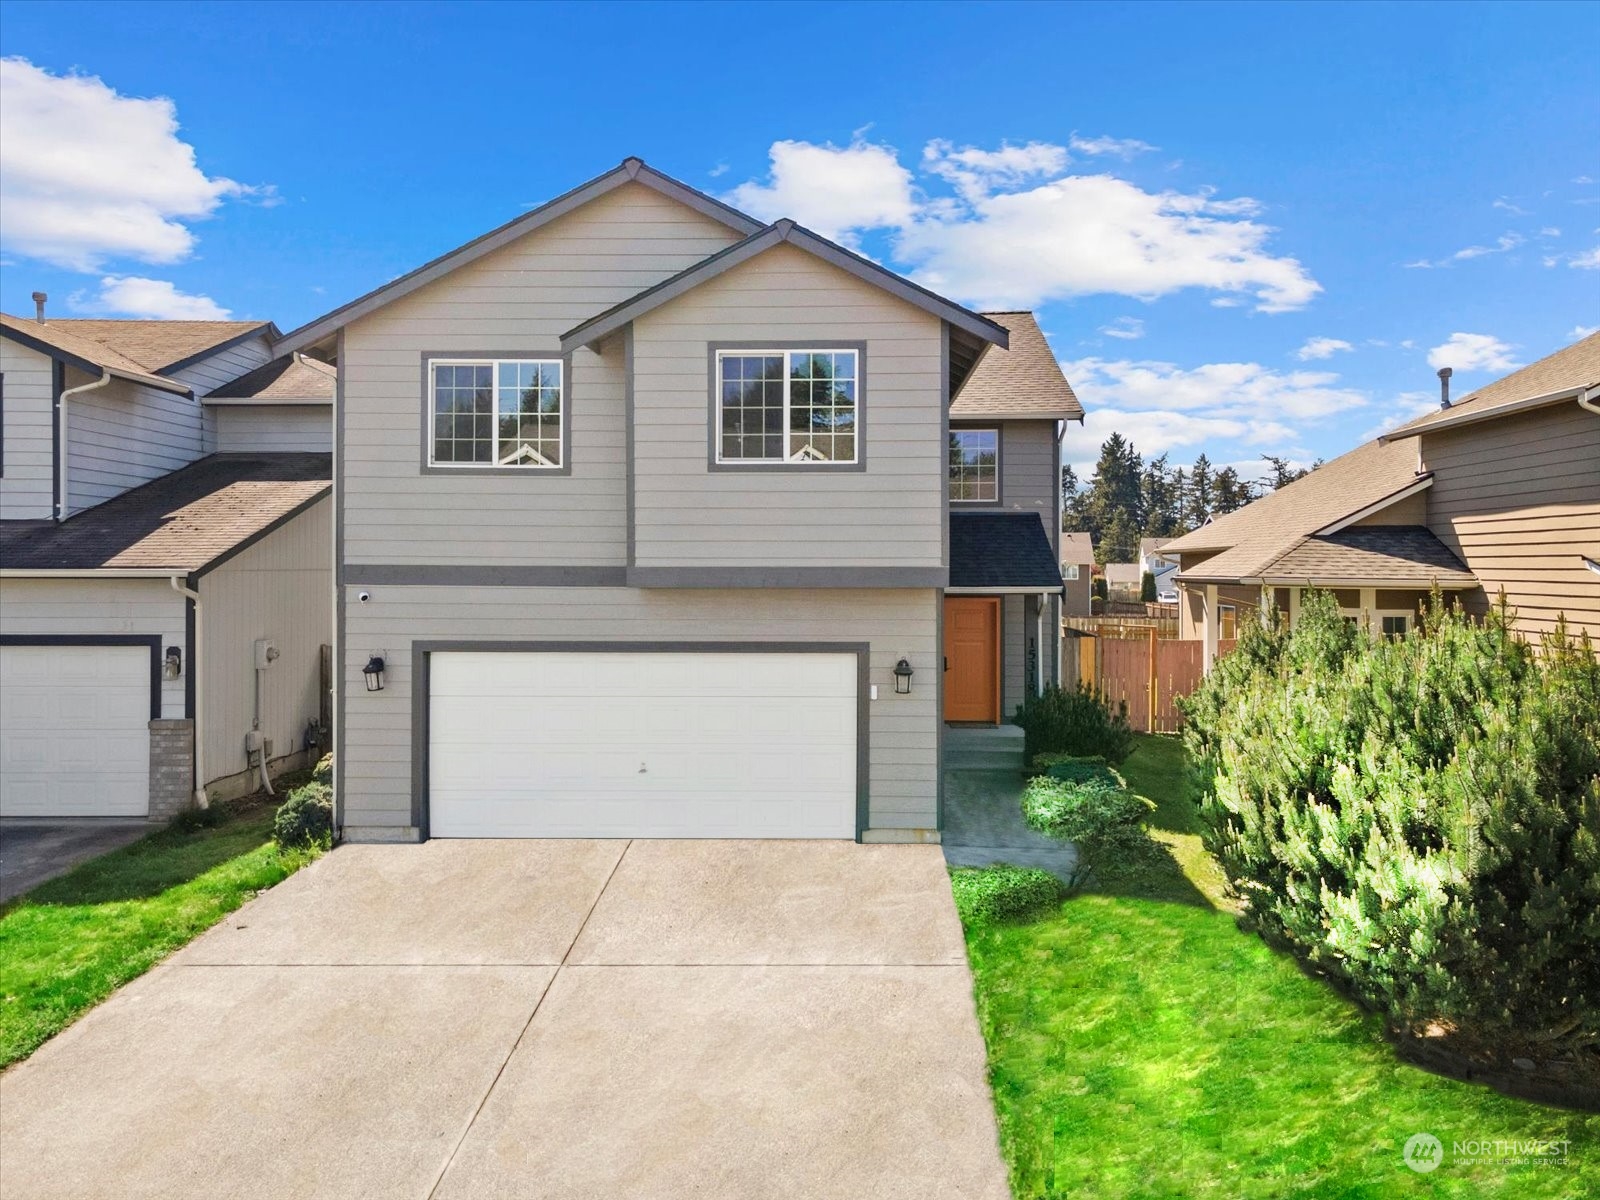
(148,538)
(1077,573)
(660,521)
(1497,492)
(1123,581)
(1163,569)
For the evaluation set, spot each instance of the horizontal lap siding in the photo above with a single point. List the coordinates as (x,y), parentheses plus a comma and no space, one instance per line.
(904,729)
(72,607)
(519,298)
(279,428)
(1518,500)
(890,514)
(225,366)
(126,434)
(282,589)
(1029,476)
(26,487)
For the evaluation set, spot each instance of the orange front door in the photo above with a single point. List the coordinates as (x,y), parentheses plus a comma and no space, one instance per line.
(972,658)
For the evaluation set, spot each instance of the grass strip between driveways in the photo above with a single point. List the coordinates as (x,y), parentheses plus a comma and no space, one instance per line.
(71,942)
(1141,1045)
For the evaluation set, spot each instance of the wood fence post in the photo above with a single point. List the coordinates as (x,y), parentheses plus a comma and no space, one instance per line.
(1151,645)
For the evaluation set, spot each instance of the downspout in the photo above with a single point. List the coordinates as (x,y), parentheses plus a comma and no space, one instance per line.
(61,436)
(1586,399)
(1038,640)
(195,659)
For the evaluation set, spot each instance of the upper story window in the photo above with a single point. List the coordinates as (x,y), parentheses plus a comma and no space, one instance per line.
(974,464)
(496,412)
(787,406)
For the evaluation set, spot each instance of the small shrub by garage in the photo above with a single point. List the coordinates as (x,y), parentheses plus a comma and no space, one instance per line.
(990,895)
(1077,768)
(1417,817)
(305,818)
(1101,818)
(1075,721)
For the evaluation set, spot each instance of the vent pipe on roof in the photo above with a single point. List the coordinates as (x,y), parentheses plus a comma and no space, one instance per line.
(1444,386)
(38,306)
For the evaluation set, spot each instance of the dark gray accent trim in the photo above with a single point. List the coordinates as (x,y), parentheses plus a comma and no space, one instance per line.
(632,170)
(265,531)
(338,594)
(784,231)
(944,448)
(58,384)
(629,474)
(266,328)
(788,577)
(523,355)
(58,356)
(482,575)
(421,652)
(151,640)
(714,415)
(2,424)
(938,716)
(191,663)
(966,425)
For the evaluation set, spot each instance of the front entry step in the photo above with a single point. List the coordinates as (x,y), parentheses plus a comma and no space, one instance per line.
(983,748)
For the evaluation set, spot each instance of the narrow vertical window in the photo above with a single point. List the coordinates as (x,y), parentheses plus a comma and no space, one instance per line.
(974,465)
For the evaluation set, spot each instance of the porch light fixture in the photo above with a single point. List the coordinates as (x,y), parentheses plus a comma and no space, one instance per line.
(902,678)
(372,673)
(174,664)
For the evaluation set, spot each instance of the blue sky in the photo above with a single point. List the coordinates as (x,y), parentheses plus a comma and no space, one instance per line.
(1291,214)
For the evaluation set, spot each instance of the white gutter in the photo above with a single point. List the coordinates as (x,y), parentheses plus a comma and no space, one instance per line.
(195,659)
(1587,400)
(1584,394)
(86,573)
(61,437)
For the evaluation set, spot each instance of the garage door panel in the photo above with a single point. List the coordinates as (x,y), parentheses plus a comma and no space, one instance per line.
(74,733)
(653,744)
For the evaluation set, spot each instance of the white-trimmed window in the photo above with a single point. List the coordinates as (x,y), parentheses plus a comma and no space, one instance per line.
(974,465)
(787,406)
(1069,571)
(496,413)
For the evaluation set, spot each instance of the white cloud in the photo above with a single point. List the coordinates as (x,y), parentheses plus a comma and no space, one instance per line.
(1123,148)
(1407,406)
(1011,236)
(1583,179)
(87,174)
(1156,432)
(1129,329)
(1502,244)
(1509,207)
(975,173)
(1473,352)
(151,299)
(1321,347)
(833,190)
(718,171)
(1550,231)
(1587,260)
(1244,401)
(1579,332)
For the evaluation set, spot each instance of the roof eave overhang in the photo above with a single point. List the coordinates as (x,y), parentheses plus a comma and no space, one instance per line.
(93,572)
(265,401)
(70,359)
(632,170)
(1588,391)
(1422,483)
(1451,584)
(266,329)
(1019,589)
(603,325)
(1019,415)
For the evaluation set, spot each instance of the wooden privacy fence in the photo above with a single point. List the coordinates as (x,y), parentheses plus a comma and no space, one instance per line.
(1147,674)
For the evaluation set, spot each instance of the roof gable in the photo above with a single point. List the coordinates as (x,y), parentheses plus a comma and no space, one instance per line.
(631,170)
(1023,379)
(143,351)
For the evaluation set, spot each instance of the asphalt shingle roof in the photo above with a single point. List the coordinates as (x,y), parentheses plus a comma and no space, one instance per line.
(289,378)
(1577,365)
(1024,381)
(182,521)
(996,549)
(1077,548)
(150,346)
(1398,553)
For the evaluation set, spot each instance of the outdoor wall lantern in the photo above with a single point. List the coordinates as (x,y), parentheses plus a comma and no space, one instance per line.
(373,673)
(902,678)
(174,663)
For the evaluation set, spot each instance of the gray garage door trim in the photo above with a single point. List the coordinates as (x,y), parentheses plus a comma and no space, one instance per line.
(420,662)
(152,640)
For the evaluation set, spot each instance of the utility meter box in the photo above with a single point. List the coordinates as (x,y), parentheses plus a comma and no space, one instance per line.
(266,654)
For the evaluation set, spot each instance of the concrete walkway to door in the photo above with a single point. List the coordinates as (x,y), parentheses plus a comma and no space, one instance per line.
(536,1019)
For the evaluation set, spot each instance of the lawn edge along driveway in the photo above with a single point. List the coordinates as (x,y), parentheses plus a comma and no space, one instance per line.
(66,945)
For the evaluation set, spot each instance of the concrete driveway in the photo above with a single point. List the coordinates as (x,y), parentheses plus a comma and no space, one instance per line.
(536,1019)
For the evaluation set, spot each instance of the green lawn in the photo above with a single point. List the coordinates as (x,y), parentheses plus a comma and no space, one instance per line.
(68,944)
(1141,1045)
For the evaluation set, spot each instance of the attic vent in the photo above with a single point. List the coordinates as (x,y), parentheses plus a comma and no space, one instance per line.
(38,306)
(1444,386)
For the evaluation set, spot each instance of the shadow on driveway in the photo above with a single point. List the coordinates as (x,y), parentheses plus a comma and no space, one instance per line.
(32,852)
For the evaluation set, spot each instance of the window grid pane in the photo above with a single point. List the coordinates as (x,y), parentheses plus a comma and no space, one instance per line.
(504,413)
(974,464)
(794,406)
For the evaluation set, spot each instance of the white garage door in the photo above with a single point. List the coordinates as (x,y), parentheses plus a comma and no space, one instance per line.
(642,744)
(74,731)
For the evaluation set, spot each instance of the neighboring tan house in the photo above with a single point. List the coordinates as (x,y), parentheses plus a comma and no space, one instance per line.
(1123,581)
(643,523)
(1077,573)
(1498,492)
(139,565)
(1162,568)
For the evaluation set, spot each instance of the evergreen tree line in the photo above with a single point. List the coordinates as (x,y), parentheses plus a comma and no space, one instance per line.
(1130,498)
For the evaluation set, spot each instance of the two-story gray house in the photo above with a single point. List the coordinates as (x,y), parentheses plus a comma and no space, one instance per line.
(653,520)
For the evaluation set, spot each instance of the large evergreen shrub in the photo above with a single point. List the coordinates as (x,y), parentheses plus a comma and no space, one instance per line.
(1418,817)
(1074,721)
(1098,815)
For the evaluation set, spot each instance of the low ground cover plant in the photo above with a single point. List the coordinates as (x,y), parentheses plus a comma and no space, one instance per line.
(1075,721)
(1418,818)
(991,895)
